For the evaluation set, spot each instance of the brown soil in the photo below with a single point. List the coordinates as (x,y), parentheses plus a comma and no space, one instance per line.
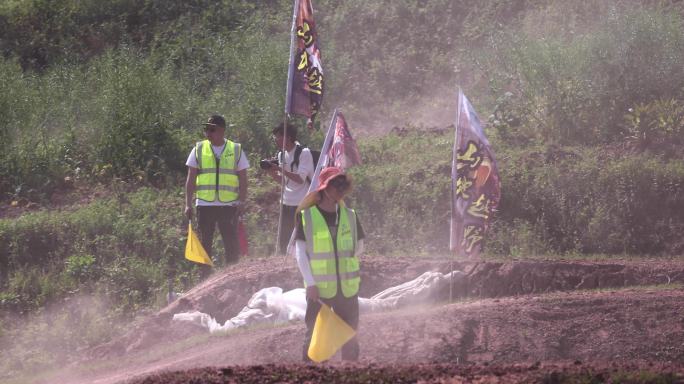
(595,320)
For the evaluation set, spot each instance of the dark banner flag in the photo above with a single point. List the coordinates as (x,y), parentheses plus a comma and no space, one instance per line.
(305,73)
(475,185)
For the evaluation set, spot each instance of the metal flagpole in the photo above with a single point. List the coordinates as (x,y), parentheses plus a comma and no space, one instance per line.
(324,159)
(281,161)
(290,68)
(454,171)
(288,107)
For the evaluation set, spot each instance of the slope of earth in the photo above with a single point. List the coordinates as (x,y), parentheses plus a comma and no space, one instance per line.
(507,313)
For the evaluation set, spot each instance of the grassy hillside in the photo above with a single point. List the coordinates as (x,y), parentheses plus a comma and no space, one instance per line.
(583,103)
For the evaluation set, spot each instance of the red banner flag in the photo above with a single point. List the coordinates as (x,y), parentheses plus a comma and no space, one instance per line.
(339,148)
(475,185)
(343,153)
(305,73)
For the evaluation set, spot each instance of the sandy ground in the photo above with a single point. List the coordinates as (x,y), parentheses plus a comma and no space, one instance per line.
(509,322)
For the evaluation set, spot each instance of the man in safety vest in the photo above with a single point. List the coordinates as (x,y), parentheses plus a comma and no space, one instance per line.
(217,173)
(329,239)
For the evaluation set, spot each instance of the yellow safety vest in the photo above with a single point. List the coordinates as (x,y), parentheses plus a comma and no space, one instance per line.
(322,258)
(217,175)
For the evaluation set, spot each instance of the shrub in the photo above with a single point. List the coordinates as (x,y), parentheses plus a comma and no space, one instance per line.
(584,200)
(576,89)
(657,126)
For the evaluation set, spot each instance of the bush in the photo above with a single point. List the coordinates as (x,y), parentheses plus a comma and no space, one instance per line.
(584,200)
(576,89)
(113,244)
(657,126)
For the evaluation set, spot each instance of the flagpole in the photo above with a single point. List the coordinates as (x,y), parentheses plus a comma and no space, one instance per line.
(454,167)
(290,68)
(282,185)
(288,107)
(324,159)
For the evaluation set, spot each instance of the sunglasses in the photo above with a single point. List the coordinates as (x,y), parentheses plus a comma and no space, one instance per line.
(340,183)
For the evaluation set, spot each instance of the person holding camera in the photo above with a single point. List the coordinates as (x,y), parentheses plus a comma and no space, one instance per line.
(297,164)
(217,171)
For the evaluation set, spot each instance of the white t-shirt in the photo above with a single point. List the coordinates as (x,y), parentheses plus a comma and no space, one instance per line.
(243,163)
(295,192)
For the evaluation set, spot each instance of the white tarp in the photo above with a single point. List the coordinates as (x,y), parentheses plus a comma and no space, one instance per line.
(273,306)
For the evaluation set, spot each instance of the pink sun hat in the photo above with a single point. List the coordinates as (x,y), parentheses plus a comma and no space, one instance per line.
(328,174)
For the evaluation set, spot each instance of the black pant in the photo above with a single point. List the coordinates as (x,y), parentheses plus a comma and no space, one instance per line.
(287,222)
(226,217)
(345,307)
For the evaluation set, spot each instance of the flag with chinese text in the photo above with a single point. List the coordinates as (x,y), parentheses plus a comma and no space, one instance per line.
(475,185)
(305,73)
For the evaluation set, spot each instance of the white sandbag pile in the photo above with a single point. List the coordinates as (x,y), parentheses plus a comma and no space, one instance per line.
(273,306)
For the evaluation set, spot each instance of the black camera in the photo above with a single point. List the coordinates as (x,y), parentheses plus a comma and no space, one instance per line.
(268,163)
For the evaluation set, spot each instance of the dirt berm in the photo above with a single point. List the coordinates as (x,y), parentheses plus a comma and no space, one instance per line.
(525,320)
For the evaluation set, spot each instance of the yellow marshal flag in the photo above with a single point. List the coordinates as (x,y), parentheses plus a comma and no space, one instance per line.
(194,250)
(329,334)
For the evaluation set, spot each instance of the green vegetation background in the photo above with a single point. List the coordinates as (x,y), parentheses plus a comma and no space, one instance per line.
(583,103)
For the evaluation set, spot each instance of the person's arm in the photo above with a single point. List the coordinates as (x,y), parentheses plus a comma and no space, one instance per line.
(190,186)
(303,263)
(294,176)
(312,292)
(242,183)
(360,236)
(304,169)
(242,166)
(273,172)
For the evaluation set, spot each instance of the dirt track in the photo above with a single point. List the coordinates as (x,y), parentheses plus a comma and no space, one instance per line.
(509,317)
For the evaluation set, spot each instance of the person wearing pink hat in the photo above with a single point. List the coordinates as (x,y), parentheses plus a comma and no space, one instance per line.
(329,240)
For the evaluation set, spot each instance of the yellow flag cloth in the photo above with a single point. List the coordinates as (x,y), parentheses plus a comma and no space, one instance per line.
(329,334)
(194,250)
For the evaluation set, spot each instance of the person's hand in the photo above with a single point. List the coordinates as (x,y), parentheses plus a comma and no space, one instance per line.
(273,170)
(188,212)
(312,293)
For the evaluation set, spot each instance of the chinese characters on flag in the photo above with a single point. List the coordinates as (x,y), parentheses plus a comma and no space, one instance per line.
(305,75)
(475,185)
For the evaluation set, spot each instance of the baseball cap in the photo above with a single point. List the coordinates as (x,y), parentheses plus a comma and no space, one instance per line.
(215,121)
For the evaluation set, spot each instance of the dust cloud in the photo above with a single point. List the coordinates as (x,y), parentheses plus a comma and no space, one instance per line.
(54,337)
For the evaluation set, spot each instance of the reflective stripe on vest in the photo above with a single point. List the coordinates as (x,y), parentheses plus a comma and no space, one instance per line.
(221,177)
(321,252)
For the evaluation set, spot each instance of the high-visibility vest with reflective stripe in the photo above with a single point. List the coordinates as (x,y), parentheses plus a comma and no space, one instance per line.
(319,247)
(221,176)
